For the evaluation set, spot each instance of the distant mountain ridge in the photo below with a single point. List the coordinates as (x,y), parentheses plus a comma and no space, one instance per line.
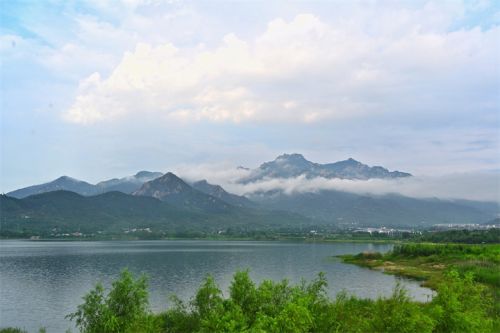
(294,165)
(62,183)
(344,208)
(114,212)
(65,183)
(169,203)
(208,201)
(284,166)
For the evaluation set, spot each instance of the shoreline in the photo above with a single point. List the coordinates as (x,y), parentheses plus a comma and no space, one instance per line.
(429,270)
(292,239)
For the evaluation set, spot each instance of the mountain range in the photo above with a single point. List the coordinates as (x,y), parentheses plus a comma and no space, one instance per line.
(167,202)
(348,209)
(294,165)
(115,212)
(284,166)
(126,185)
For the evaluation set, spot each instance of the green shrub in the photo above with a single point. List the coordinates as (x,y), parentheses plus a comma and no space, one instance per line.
(462,305)
(124,309)
(274,307)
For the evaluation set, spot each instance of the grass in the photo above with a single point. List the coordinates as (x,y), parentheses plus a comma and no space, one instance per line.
(428,262)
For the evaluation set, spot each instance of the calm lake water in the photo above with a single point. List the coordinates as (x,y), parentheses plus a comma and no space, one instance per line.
(41,282)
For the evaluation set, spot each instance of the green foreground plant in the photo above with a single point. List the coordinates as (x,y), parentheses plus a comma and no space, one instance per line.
(433,264)
(461,305)
(124,309)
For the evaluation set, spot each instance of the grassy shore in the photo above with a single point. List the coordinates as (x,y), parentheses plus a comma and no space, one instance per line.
(428,262)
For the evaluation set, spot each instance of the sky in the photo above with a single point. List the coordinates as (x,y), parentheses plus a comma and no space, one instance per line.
(101,89)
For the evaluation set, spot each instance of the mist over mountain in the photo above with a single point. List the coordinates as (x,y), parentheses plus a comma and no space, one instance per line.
(348,209)
(218,192)
(127,184)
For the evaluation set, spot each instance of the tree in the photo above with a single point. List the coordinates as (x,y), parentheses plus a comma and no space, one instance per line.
(124,309)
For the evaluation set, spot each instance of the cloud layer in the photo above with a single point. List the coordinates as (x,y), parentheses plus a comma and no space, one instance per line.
(304,70)
(480,186)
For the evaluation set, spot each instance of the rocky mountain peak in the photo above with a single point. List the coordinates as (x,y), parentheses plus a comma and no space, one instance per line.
(294,165)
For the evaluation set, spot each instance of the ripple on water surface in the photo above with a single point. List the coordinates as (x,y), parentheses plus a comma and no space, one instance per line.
(41,282)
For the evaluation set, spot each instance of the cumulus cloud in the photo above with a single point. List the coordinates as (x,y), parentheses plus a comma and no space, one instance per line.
(480,186)
(303,70)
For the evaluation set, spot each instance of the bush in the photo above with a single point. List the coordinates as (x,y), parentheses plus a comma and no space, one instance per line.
(274,307)
(398,314)
(124,309)
(462,305)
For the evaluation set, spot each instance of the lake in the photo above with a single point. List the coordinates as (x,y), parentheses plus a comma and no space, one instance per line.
(42,281)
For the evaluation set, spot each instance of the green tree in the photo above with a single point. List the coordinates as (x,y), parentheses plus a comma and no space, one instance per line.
(244,295)
(124,309)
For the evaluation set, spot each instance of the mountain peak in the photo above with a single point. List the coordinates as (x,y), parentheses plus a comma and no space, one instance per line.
(163,186)
(66,179)
(174,190)
(290,157)
(64,183)
(349,161)
(170,176)
(289,161)
(147,174)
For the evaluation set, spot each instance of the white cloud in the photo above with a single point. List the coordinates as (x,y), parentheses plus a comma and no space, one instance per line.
(224,174)
(474,186)
(303,70)
(480,186)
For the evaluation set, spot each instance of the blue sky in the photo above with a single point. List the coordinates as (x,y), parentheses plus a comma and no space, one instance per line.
(101,89)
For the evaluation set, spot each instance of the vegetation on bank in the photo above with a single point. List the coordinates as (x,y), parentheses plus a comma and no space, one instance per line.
(461,305)
(490,236)
(431,263)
